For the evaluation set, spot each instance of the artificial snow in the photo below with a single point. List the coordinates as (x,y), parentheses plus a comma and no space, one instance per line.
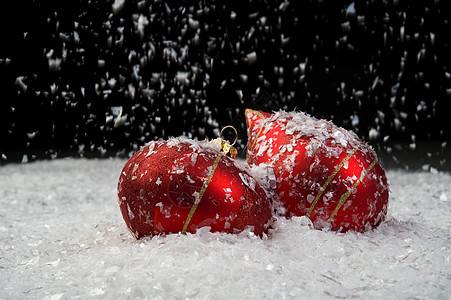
(62,237)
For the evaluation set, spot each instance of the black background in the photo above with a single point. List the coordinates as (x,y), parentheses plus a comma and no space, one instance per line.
(191,67)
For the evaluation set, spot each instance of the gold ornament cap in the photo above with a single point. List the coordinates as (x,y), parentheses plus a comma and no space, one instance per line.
(226,147)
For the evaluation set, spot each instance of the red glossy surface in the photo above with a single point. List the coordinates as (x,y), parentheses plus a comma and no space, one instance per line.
(304,164)
(160,184)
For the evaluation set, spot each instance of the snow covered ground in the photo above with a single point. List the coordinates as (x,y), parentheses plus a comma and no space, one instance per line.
(62,236)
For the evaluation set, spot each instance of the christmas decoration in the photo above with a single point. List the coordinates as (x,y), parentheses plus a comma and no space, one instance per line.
(181,185)
(323,171)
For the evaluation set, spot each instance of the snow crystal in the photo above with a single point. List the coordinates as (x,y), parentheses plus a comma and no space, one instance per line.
(251,58)
(373,134)
(21,84)
(350,10)
(117,6)
(54,64)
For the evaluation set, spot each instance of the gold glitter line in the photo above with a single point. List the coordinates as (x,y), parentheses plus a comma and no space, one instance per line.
(329,179)
(202,191)
(247,111)
(345,196)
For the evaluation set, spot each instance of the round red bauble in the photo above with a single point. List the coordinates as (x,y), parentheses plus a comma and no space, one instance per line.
(324,172)
(181,185)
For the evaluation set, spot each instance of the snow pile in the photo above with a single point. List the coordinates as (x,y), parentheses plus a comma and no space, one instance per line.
(62,236)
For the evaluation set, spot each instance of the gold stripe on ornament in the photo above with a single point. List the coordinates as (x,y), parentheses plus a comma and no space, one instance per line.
(329,179)
(261,125)
(345,196)
(202,191)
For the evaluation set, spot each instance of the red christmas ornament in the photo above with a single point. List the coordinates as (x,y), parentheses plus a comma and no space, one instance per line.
(324,172)
(181,185)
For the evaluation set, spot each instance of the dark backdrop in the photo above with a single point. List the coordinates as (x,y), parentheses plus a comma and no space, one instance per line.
(101,78)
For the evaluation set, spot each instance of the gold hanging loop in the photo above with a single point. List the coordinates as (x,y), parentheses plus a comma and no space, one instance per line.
(236,134)
(226,147)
